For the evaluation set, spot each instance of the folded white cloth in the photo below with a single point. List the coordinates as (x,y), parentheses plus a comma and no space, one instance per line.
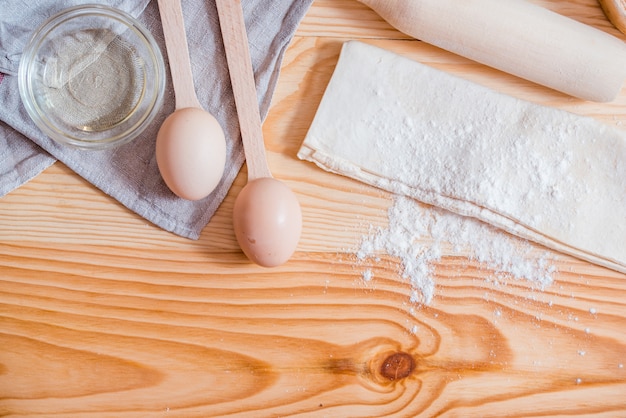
(129,173)
(541,173)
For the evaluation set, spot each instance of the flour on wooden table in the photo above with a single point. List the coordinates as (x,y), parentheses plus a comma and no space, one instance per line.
(540,173)
(418,235)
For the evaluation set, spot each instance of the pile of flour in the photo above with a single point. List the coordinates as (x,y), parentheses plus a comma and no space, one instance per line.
(418,235)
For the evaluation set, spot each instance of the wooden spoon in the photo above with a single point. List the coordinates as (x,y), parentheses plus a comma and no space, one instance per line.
(190,146)
(267,218)
(615,10)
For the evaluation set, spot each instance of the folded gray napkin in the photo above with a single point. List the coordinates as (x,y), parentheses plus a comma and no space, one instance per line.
(129,173)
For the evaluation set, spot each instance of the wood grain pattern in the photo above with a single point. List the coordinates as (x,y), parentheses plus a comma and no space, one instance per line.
(104,315)
(615,10)
(178,53)
(236,43)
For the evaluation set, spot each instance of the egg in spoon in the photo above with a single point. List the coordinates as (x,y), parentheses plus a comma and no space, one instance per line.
(190,144)
(267,218)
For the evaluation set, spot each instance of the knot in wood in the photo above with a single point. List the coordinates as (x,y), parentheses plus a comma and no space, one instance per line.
(397,366)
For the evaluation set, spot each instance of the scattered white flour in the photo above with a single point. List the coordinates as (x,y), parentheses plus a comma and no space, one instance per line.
(410,221)
(545,174)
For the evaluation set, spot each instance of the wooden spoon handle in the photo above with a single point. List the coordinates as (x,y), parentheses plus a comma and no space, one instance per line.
(615,10)
(518,37)
(178,53)
(242,79)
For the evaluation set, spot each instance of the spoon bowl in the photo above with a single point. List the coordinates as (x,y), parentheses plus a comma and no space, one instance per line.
(267,221)
(267,218)
(190,146)
(191,153)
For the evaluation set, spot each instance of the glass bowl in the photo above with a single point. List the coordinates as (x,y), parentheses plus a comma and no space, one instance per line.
(92,76)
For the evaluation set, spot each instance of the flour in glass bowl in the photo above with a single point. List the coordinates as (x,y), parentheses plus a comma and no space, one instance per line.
(417,235)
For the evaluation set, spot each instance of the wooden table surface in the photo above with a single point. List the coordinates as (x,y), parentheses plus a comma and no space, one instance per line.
(104,314)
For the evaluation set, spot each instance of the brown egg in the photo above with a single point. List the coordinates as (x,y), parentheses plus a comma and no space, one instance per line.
(267,220)
(191,153)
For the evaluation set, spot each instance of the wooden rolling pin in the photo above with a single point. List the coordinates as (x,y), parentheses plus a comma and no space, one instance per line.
(615,10)
(519,38)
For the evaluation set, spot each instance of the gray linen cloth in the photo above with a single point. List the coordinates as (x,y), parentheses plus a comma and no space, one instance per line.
(129,173)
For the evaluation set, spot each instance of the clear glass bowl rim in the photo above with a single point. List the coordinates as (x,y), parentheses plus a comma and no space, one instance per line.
(30,52)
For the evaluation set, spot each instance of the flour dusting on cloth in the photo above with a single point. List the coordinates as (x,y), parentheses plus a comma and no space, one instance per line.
(543,174)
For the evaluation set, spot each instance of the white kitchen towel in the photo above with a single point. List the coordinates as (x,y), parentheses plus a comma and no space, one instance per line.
(129,173)
(540,173)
